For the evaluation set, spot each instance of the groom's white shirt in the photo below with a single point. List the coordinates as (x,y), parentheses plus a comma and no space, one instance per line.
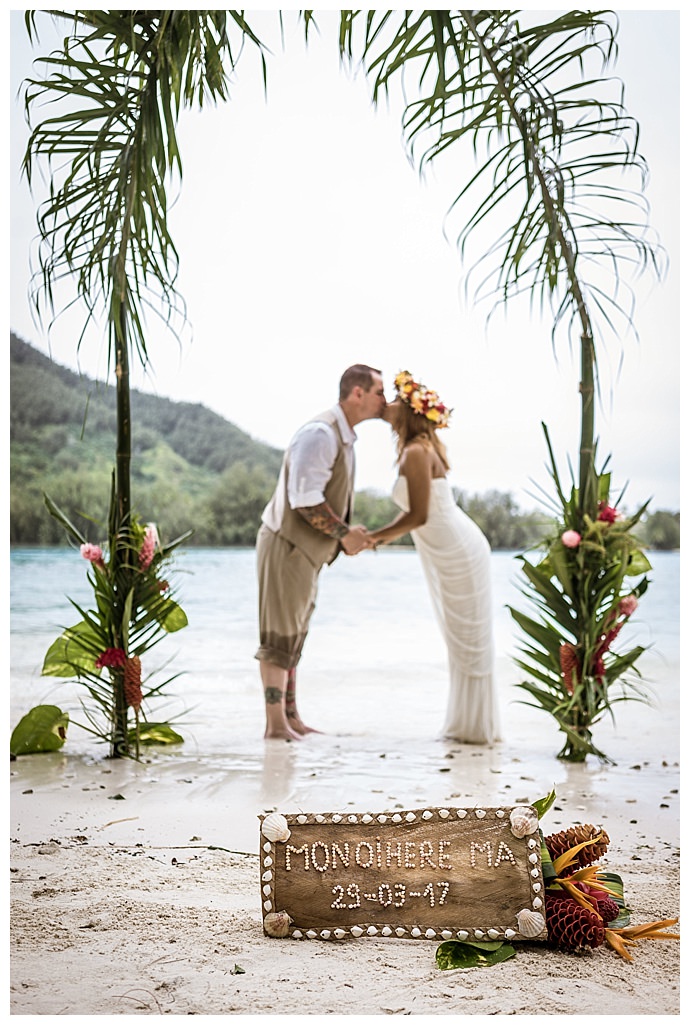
(313,450)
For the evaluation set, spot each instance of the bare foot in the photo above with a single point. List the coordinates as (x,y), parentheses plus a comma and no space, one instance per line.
(281,733)
(302,728)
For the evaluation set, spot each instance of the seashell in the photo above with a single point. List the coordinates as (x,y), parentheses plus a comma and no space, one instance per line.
(357,931)
(400,931)
(372,930)
(410,816)
(510,933)
(277,924)
(463,934)
(275,828)
(446,934)
(396,817)
(493,934)
(443,813)
(430,934)
(386,931)
(325,934)
(530,923)
(523,820)
(427,814)
(382,818)
(500,814)
(480,813)
(478,934)
(339,934)
(311,935)
(301,819)
(297,935)
(461,813)
(367,818)
(415,932)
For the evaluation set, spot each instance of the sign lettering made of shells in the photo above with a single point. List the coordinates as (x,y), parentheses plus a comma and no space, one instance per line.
(435,873)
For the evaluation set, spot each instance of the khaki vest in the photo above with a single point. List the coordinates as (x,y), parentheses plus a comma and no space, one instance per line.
(318,547)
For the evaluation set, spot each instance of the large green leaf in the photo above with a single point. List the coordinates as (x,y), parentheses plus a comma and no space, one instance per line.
(155,733)
(44,728)
(72,652)
(454,954)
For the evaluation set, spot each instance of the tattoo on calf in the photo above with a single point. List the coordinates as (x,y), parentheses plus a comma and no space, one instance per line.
(322,518)
(273,695)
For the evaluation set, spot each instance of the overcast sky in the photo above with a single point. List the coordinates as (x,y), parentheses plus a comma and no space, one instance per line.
(307,243)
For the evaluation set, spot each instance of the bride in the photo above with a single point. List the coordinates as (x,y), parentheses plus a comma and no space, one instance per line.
(454,554)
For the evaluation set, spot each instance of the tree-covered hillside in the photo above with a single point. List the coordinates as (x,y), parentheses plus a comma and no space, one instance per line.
(190,468)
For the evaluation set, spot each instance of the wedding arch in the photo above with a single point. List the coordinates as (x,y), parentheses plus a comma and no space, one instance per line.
(550,137)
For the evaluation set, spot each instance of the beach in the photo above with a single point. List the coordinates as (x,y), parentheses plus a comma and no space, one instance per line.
(135,887)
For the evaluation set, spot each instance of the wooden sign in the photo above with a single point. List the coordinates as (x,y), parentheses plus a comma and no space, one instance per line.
(435,873)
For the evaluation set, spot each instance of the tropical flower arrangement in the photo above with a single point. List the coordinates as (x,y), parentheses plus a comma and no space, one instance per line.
(134,608)
(584,905)
(421,399)
(585,587)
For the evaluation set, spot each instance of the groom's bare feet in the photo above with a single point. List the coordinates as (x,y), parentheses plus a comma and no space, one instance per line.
(302,728)
(281,733)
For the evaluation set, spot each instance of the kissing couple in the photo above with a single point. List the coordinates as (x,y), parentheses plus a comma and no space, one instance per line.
(307,523)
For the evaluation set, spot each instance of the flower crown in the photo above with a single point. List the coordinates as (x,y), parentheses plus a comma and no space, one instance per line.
(421,399)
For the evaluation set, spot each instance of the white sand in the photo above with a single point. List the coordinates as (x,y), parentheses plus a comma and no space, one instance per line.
(135,887)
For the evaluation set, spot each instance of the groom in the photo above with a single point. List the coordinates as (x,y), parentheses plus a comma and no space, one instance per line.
(304,526)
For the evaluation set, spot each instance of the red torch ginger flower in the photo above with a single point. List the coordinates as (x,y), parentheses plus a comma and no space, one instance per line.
(112,658)
(607,513)
(570,538)
(148,547)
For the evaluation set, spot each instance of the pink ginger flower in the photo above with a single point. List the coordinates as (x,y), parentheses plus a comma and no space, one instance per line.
(627,605)
(94,554)
(111,658)
(607,513)
(148,547)
(570,538)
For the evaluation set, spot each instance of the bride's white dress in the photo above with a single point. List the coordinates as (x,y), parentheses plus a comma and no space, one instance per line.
(455,556)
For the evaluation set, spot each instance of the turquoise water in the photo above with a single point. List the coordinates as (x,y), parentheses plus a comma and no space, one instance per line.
(373,679)
(373,662)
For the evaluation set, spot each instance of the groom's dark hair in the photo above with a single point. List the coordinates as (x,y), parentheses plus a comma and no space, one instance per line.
(358,375)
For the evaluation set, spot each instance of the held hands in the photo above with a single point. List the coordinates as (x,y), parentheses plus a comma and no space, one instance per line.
(356,540)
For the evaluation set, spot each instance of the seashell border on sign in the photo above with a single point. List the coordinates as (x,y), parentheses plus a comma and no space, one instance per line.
(427,873)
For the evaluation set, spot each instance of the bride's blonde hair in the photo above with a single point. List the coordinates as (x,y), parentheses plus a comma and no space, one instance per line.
(410,426)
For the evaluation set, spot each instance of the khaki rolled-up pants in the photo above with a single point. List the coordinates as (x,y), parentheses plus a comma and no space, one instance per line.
(287,598)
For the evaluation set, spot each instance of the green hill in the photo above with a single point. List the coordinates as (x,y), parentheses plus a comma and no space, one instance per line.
(190,467)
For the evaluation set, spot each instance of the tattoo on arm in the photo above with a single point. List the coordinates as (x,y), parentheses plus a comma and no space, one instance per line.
(322,518)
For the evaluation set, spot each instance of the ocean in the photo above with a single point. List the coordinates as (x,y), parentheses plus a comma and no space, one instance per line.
(374,661)
(372,679)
